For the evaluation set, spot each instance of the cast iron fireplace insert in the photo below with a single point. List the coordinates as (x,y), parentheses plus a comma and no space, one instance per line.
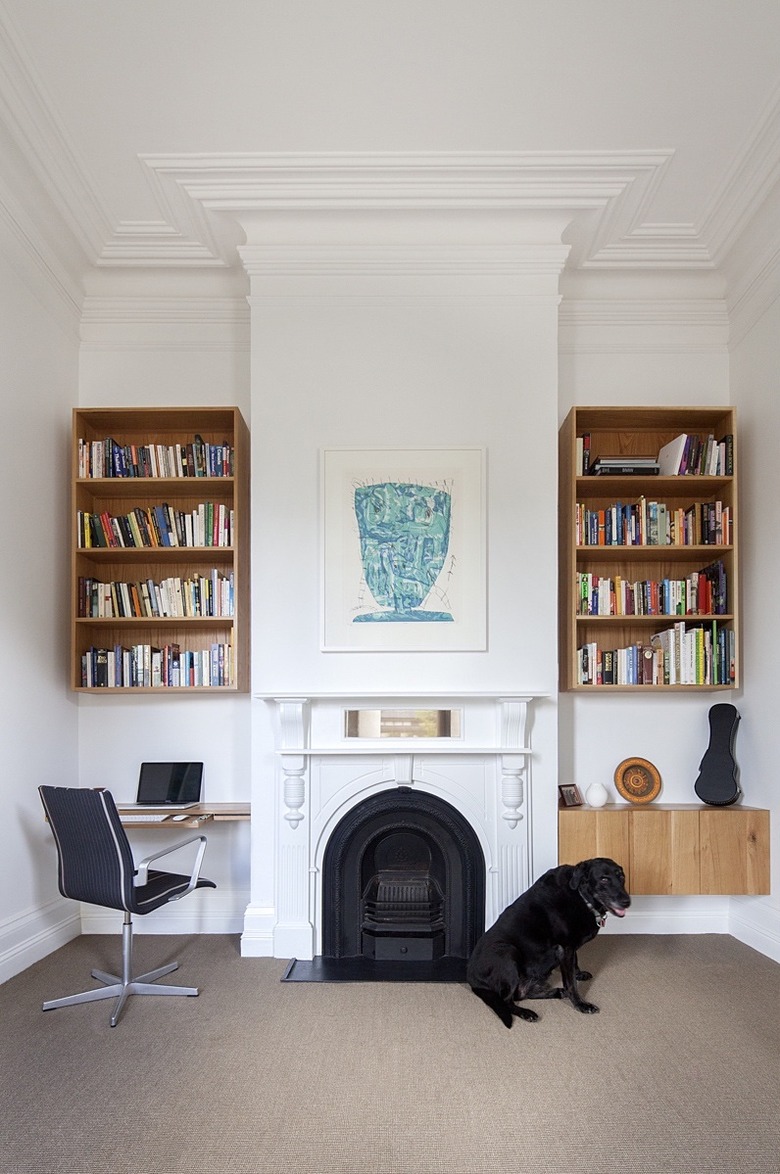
(403,893)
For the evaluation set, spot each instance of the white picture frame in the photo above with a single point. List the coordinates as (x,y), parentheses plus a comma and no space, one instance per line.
(403,550)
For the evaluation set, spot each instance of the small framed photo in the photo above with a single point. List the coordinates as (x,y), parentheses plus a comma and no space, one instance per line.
(569,795)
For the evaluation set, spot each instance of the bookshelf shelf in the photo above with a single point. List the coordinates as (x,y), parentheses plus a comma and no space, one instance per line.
(149,617)
(632,546)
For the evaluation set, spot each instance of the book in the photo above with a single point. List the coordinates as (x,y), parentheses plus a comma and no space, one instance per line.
(670,456)
(726,447)
(624,466)
(627,459)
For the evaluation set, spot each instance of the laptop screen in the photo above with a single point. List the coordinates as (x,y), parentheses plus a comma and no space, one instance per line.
(170,782)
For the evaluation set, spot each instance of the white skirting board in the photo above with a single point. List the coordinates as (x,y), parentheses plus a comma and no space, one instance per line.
(672,915)
(257,940)
(205,911)
(756,922)
(29,936)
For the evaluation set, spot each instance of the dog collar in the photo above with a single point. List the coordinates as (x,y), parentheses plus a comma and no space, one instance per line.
(601,918)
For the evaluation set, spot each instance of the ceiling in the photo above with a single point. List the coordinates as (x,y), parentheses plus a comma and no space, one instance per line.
(105,100)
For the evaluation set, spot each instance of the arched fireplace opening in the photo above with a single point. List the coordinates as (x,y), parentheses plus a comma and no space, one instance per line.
(403,881)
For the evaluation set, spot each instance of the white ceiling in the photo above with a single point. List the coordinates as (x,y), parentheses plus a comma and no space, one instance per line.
(92,90)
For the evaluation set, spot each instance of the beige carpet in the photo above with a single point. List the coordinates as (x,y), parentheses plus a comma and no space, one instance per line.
(680,1072)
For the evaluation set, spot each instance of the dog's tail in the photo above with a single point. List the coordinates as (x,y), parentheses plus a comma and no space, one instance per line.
(496,1003)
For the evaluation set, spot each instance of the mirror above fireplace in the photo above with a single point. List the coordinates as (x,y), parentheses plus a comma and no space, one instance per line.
(402,723)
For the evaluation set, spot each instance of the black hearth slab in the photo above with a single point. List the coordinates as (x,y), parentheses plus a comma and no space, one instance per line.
(370,970)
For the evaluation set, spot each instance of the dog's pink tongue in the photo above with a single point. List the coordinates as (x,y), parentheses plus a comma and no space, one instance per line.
(619,912)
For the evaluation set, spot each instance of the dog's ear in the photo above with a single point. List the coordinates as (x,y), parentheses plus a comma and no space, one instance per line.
(576,877)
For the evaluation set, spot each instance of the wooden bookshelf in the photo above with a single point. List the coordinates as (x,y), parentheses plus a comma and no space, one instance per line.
(194,573)
(673,848)
(639,431)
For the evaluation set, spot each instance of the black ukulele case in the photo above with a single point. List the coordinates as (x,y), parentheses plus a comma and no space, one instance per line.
(717,783)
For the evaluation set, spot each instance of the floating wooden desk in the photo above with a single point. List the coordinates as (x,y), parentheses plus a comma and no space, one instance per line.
(197,816)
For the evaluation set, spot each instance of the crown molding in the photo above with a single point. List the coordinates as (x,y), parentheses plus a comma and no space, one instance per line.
(518,194)
(173,322)
(605,197)
(747,186)
(177,308)
(37,264)
(755,294)
(400,260)
(643,325)
(599,199)
(687,313)
(30,118)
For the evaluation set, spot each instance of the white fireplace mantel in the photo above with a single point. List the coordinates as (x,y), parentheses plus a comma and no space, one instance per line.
(484,773)
(296,736)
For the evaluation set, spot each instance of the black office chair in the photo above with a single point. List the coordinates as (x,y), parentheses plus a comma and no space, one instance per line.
(96,865)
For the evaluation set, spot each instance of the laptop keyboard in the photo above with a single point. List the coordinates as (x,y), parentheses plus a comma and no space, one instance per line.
(146,817)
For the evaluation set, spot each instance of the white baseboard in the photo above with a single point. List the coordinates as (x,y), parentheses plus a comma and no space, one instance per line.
(672,915)
(257,940)
(756,922)
(29,936)
(205,911)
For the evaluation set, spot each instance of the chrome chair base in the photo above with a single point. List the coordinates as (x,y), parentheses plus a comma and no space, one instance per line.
(122,986)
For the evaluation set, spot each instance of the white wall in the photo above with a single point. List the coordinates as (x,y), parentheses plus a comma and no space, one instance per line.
(634,360)
(755,389)
(404,361)
(39,378)
(162,351)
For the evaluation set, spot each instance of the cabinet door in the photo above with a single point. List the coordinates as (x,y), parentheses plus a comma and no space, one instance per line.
(734,850)
(584,834)
(664,851)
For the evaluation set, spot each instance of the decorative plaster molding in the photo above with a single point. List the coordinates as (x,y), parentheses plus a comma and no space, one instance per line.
(754,295)
(372,260)
(606,196)
(747,186)
(29,115)
(257,188)
(174,309)
(165,323)
(631,326)
(37,265)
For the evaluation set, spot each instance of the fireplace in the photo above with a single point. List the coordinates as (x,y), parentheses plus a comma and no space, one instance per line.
(402,825)
(403,880)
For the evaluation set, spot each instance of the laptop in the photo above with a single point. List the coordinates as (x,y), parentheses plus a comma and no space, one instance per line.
(173,785)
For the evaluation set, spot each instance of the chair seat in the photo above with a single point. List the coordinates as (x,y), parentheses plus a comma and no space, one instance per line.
(162,887)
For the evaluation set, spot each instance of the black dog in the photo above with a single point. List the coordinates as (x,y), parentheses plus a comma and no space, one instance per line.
(542,930)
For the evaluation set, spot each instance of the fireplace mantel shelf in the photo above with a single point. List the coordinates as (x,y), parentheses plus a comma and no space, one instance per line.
(408,746)
(407,694)
(298,738)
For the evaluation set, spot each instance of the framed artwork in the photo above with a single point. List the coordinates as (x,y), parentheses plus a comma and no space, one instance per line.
(404,563)
(569,795)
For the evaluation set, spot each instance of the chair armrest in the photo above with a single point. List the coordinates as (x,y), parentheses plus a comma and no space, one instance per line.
(142,869)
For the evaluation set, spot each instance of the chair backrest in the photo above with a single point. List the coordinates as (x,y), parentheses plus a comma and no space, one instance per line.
(95,859)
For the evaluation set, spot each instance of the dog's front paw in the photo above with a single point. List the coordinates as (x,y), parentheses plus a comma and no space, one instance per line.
(525,1013)
(583,975)
(587,1008)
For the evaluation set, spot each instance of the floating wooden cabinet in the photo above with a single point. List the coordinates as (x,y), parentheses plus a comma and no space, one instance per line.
(664,851)
(675,849)
(734,850)
(648,562)
(160,550)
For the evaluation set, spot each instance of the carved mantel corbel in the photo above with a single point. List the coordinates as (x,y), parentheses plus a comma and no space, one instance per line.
(293,739)
(514,717)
